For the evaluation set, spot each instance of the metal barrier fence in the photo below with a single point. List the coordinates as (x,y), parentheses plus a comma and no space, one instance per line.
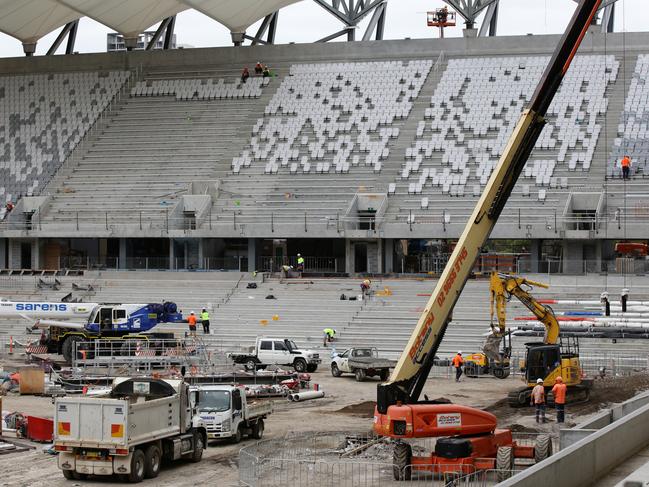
(311,264)
(145,356)
(610,364)
(330,460)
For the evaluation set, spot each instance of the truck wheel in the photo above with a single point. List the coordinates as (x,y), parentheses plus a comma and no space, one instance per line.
(197,454)
(360,375)
(237,436)
(299,365)
(401,461)
(335,371)
(471,370)
(137,467)
(69,346)
(501,372)
(385,374)
(311,368)
(69,474)
(152,461)
(504,463)
(258,430)
(542,448)
(251,364)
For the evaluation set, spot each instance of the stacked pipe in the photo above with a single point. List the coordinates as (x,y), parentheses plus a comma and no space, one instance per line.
(305,396)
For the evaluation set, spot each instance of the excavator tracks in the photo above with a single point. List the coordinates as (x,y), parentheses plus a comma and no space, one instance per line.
(576,395)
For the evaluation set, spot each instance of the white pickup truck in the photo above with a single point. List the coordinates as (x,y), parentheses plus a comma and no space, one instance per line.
(228,415)
(278,351)
(144,423)
(362,362)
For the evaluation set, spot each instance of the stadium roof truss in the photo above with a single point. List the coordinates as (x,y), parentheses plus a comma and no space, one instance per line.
(30,20)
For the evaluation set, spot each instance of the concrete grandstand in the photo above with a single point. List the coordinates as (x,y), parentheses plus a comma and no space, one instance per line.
(347,151)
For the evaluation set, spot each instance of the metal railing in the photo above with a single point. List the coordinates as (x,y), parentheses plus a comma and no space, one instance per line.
(311,264)
(111,357)
(335,459)
(527,221)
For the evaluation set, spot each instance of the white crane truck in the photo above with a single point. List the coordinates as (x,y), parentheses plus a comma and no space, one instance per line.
(144,423)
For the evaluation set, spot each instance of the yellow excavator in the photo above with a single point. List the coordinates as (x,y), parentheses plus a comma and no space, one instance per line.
(546,360)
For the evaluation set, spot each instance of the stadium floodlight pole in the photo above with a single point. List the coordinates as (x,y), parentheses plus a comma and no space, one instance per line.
(411,372)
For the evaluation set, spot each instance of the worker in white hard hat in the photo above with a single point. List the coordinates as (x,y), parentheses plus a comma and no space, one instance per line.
(458,361)
(538,401)
(300,264)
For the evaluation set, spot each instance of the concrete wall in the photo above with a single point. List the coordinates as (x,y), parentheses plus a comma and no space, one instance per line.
(592,453)
(399,49)
(589,459)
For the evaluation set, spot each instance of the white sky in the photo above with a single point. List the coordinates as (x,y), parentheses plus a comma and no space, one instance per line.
(307,22)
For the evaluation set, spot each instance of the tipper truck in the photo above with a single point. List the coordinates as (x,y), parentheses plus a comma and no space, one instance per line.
(228,415)
(144,423)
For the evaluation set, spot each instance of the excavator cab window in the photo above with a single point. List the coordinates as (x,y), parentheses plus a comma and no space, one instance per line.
(541,360)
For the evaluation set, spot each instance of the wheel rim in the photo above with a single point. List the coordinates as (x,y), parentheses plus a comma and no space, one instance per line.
(334,369)
(139,468)
(250,365)
(155,461)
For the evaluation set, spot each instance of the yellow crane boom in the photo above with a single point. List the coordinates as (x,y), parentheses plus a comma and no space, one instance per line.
(503,286)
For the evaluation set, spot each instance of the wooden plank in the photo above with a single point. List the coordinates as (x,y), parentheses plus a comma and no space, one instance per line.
(32,380)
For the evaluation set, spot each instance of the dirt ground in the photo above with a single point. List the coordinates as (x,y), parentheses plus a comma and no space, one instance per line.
(348,405)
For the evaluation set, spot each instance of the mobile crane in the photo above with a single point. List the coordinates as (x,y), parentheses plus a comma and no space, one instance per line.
(468,438)
(546,360)
(65,324)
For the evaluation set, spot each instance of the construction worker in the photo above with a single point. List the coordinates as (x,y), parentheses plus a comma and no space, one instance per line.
(300,263)
(559,392)
(458,361)
(191,319)
(538,400)
(205,321)
(626,167)
(365,287)
(329,335)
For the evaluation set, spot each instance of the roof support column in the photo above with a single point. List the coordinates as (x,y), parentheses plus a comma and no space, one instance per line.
(163,27)
(29,48)
(169,33)
(268,24)
(351,13)
(469,10)
(69,30)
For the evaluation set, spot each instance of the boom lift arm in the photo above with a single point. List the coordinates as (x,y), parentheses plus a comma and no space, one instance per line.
(409,376)
(503,287)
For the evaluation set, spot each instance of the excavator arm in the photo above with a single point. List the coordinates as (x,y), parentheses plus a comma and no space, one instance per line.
(409,376)
(504,286)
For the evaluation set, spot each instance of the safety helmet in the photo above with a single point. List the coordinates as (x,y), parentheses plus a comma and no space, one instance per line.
(299,255)
(191,313)
(459,352)
(559,379)
(539,381)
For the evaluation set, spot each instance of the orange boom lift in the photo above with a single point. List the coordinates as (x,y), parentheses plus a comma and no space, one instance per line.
(468,438)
